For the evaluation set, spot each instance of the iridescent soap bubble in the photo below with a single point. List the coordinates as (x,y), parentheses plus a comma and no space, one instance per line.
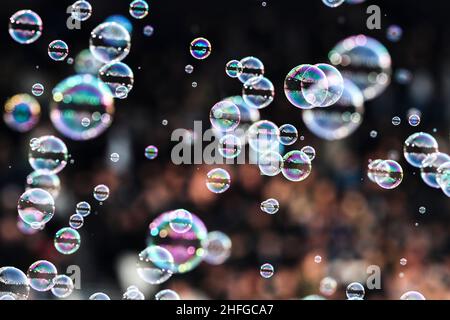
(133,294)
(37,89)
(335,84)
(389,174)
(83,208)
(443,178)
(372,169)
(333,3)
(412,295)
(418,146)
(99,296)
(258,92)
(110,41)
(394,33)
(22,112)
(121,92)
(217,246)
(48,153)
(76,221)
(339,120)
(364,61)
(396,121)
(288,134)
(266,270)
(310,152)
(270,206)
(296,166)
(185,248)
(167,294)
(180,220)
(62,286)
(14,282)
(263,136)
(270,163)
(151,152)
(78,98)
(355,290)
(200,48)
(42,179)
(115,75)
(328,286)
(81,10)
(41,275)
(36,207)
(155,265)
(252,67)
(225,116)
(85,62)
(218,180)
(25,26)
(58,50)
(430,165)
(67,241)
(101,192)
(233,68)
(188,69)
(414,120)
(148,30)
(306,86)
(138,9)
(229,146)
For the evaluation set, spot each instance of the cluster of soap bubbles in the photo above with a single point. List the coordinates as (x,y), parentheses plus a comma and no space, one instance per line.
(421,151)
(388,174)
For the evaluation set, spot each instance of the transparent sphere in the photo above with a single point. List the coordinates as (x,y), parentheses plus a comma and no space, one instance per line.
(155,265)
(36,207)
(83,208)
(258,92)
(229,146)
(110,41)
(76,221)
(82,107)
(151,152)
(217,246)
(389,174)
(355,290)
(270,163)
(430,166)
(99,296)
(81,10)
(412,295)
(328,286)
(148,30)
(372,169)
(266,270)
(263,136)
(58,50)
(225,116)
(116,75)
(233,68)
(200,48)
(296,166)
(48,153)
(310,152)
(37,89)
(218,180)
(167,294)
(41,275)
(270,206)
(252,67)
(288,134)
(418,146)
(414,120)
(14,282)
(138,9)
(394,33)
(101,192)
(180,220)
(25,26)
(333,3)
(62,286)
(67,241)
(396,121)
(22,112)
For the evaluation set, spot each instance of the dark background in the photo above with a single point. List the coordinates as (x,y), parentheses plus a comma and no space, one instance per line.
(336,213)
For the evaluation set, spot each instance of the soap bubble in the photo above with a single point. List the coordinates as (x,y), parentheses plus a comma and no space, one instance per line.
(233,68)
(270,163)
(310,152)
(180,220)
(48,153)
(80,98)
(101,192)
(37,89)
(430,165)
(151,152)
(133,293)
(333,3)
(258,92)
(14,282)
(364,61)
(266,270)
(62,286)
(403,261)
(148,30)
(396,121)
(81,10)
(22,112)
(263,136)
(167,294)
(155,265)
(58,50)
(270,206)
(418,146)
(412,295)
(217,246)
(372,169)
(335,84)
(110,41)
(328,286)
(229,146)
(41,275)
(355,290)
(25,26)
(414,120)
(67,241)
(296,166)
(389,174)
(42,179)
(394,33)
(138,9)
(188,69)
(225,116)
(288,134)
(200,48)
(83,208)
(99,296)
(76,221)
(117,75)
(114,157)
(252,67)
(218,180)
(36,207)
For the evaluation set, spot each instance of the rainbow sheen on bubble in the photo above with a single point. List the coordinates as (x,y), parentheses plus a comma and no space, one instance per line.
(117,75)
(25,26)
(296,166)
(36,207)
(14,282)
(233,68)
(138,9)
(22,112)
(58,50)
(229,146)
(225,116)
(62,286)
(252,67)
(388,174)
(67,241)
(218,180)
(288,134)
(155,264)
(200,48)
(81,10)
(45,180)
(151,152)
(335,84)
(41,275)
(258,92)
(48,153)
(110,41)
(270,163)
